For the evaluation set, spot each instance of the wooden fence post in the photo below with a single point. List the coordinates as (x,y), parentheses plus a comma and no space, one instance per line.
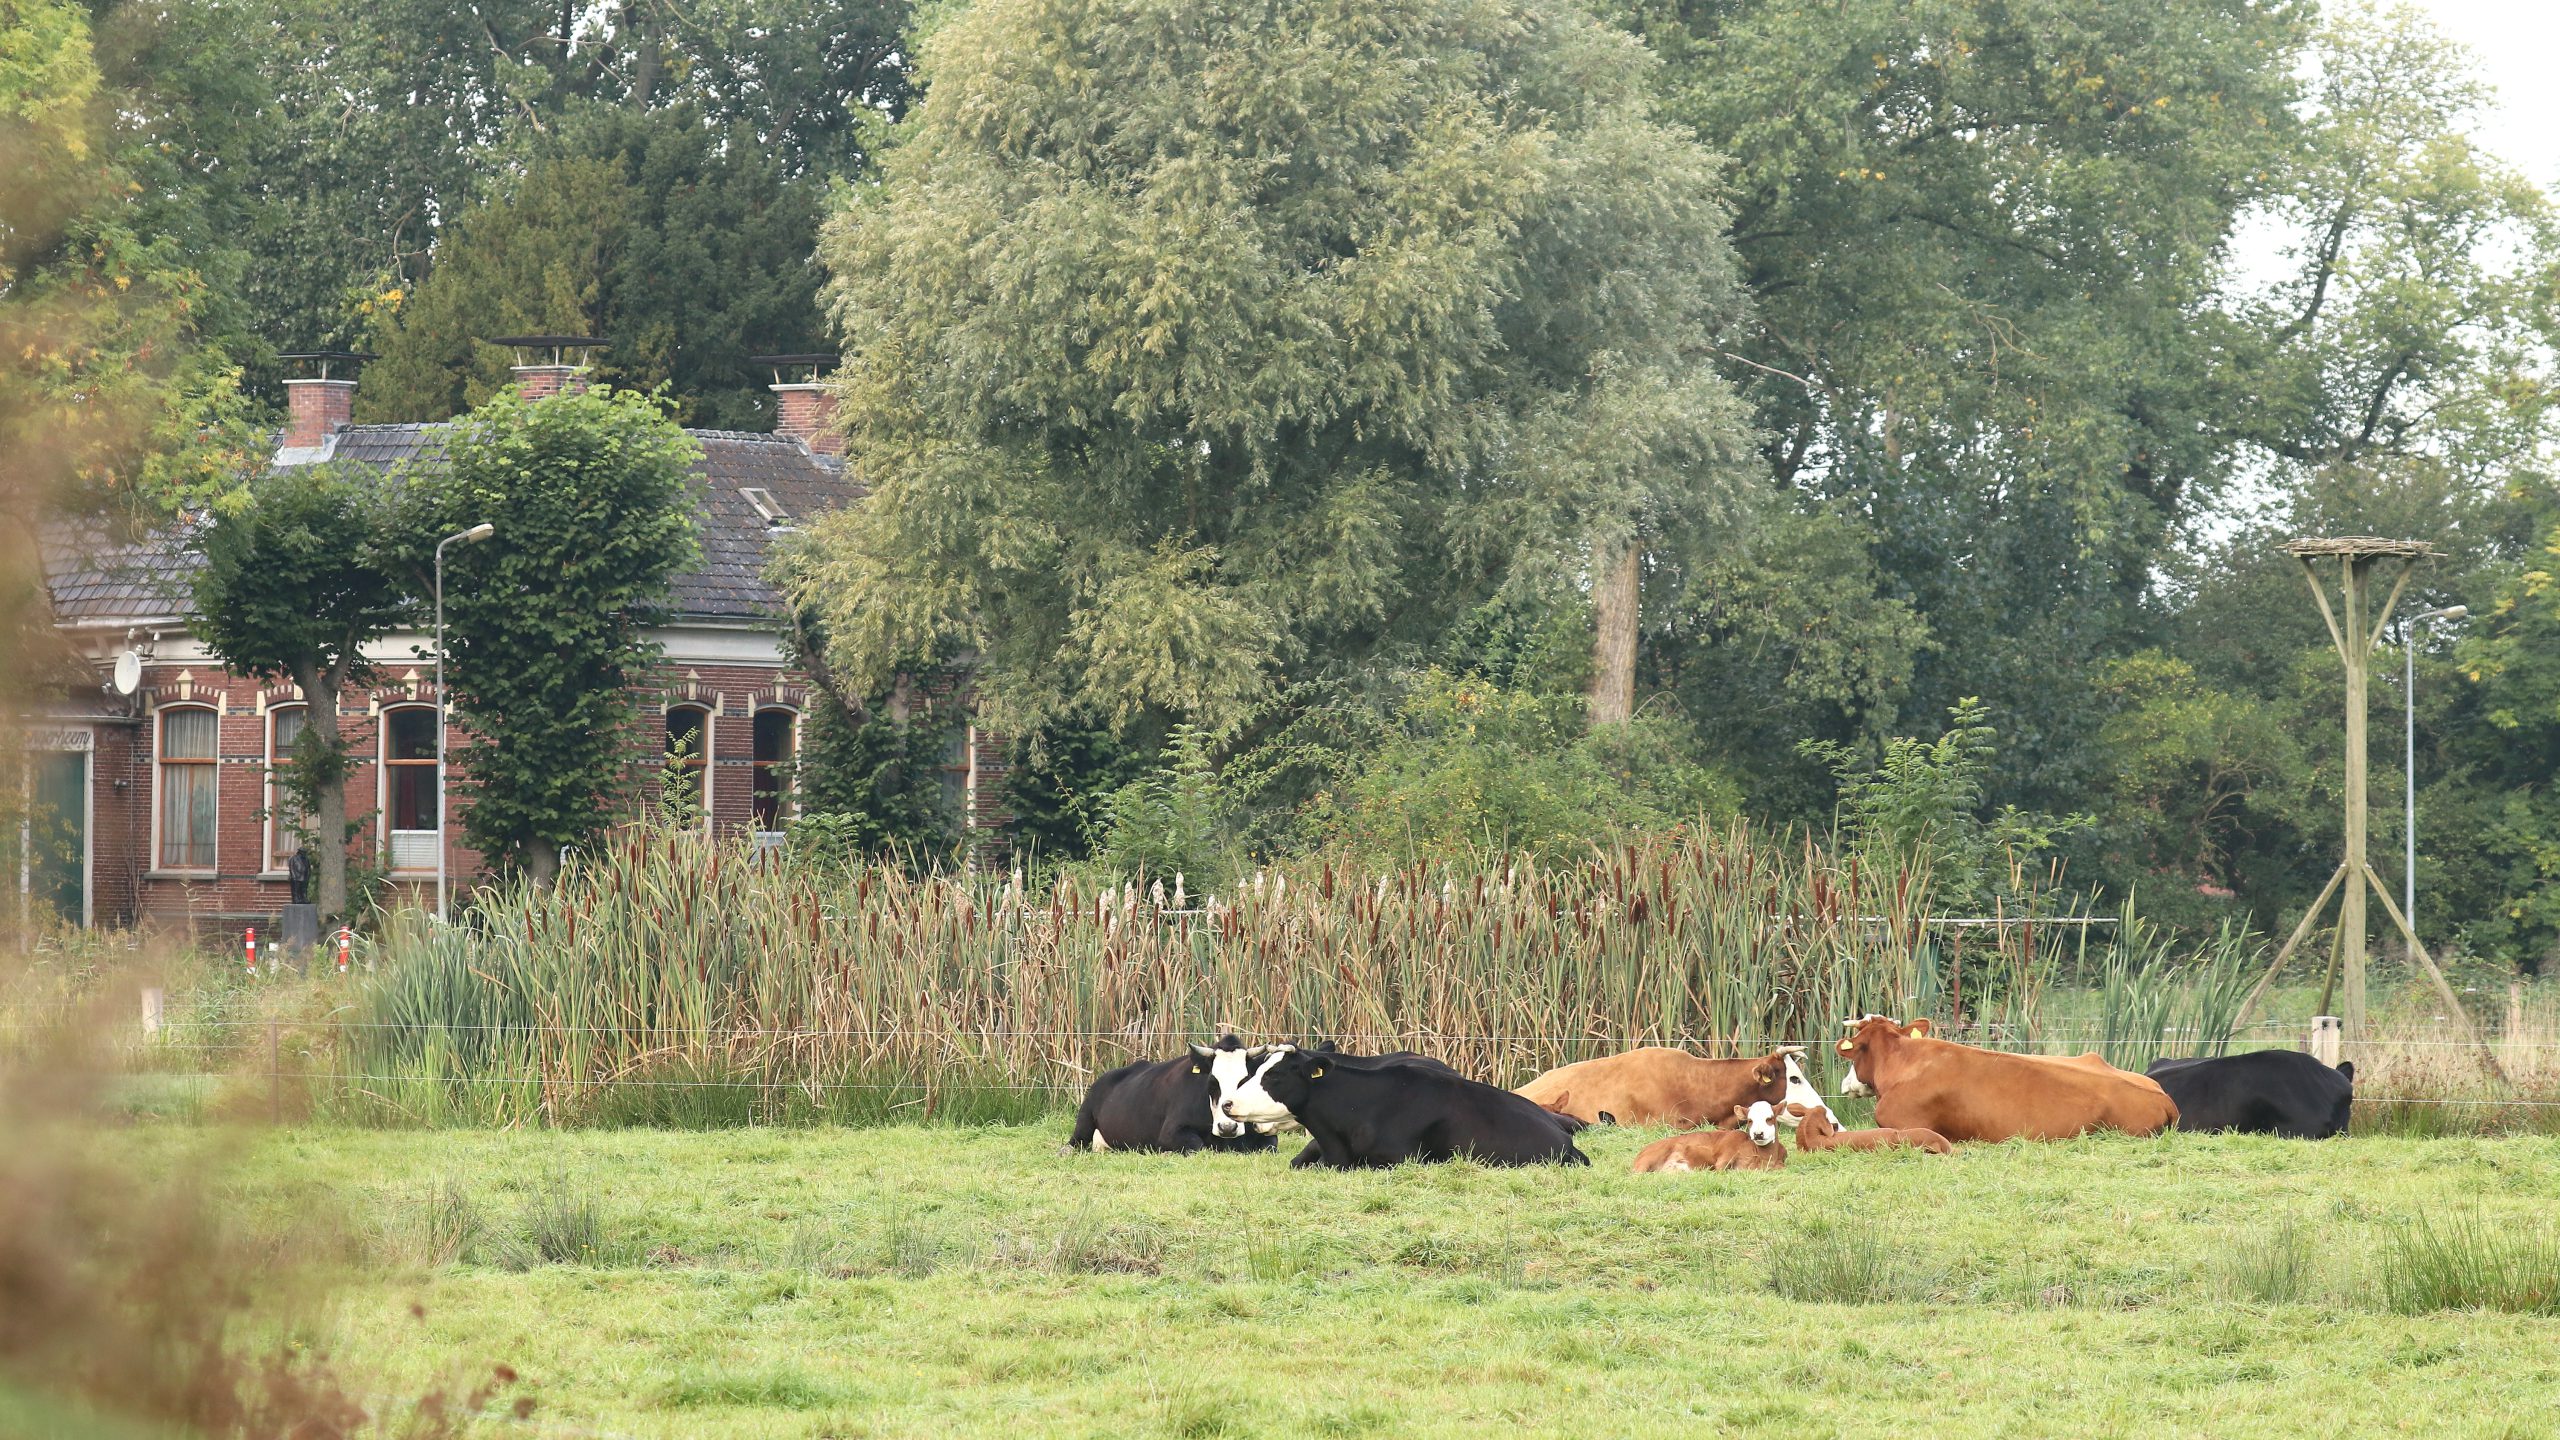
(275,1076)
(2326,1031)
(154,1007)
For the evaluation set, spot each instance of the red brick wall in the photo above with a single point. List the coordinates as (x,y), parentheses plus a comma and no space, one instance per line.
(129,885)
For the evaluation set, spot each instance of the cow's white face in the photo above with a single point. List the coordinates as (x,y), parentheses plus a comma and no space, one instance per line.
(1760,1122)
(1236,1096)
(1800,1091)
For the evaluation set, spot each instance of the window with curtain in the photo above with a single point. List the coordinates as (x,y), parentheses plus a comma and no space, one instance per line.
(774,732)
(190,776)
(409,782)
(284,727)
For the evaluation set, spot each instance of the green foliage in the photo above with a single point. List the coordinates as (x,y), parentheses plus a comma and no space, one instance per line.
(1922,804)
(2200,776)
(1978,235)
(2154,1003)
(592,502)
(2512,657)
(870,784)
(119,381)
(294,585)
(686,246)
(1176,820)
(1786,635)
(1467,769)
(1195,346)
(1059,779)
(382,121)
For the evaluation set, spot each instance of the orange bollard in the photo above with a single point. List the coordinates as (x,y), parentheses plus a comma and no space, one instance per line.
(344,937)
(250,945)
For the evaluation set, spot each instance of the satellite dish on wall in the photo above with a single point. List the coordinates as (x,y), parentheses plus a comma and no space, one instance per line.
(128,676)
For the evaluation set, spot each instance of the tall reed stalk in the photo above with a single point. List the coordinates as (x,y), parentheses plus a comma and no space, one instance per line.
(670,979)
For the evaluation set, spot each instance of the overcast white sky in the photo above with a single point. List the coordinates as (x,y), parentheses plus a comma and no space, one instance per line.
(2518,43)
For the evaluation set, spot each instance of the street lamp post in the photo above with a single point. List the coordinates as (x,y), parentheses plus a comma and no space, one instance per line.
(2409,757)
(472,536)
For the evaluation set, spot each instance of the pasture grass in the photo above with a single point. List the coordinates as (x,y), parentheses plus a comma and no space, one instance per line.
(952,1280)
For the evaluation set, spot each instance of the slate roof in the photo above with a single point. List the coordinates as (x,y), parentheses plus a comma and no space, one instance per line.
(98,577)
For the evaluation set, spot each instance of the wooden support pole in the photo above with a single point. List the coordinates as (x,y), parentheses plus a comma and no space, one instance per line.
(2325,1034)
(2356,652)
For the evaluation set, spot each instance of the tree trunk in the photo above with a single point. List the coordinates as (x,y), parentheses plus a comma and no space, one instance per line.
(645,57)
(541,863)
(328,818)
(1613,645)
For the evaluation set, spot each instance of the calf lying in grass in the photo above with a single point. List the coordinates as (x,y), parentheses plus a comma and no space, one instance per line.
(1814,1131)
(1753,1146)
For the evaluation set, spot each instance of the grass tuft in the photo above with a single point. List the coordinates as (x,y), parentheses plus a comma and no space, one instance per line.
(1829,1263)
(2466,1263)
(2274,1266)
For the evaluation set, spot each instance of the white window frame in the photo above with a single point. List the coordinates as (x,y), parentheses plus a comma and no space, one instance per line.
(789,810)
(271,859)
(382,768)
(160,787)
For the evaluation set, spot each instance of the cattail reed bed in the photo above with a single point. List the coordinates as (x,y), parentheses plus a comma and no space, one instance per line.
(667,979)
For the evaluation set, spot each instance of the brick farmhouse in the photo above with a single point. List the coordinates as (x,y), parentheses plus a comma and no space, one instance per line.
(159,803)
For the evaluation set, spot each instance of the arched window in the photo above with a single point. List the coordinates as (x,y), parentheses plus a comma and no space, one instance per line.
(689,750)
(190,766)
(284,727)
(410,783)
(777,741)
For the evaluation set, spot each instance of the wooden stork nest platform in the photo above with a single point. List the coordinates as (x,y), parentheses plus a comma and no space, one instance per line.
(2359,546)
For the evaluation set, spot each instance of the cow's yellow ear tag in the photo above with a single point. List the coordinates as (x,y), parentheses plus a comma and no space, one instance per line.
(1316,1074)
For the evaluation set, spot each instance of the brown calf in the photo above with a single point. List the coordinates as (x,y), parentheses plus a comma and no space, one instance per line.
(1755,1146)
(1814,1131)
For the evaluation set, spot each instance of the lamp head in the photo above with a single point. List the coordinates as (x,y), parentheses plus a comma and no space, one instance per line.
(478,533)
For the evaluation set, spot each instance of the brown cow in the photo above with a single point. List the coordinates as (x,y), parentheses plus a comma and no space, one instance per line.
(1814,1131)
(1965,1093)
(1661,1086)
(1754,1146)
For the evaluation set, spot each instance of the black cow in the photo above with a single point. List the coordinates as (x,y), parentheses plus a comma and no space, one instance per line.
(2264,1092)
(1167,1105)
(1363,1111)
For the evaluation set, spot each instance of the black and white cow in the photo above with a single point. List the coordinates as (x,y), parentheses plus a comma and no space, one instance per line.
(1363,1111)
(1168,1105)
(2264,1092)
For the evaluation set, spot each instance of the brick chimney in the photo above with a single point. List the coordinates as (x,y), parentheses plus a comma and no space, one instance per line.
(320,405)
(562,372)
(804,408)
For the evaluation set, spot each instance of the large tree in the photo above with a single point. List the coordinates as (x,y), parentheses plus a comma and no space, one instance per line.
(295,584)
(1195,346)
(1980,235)
(546,621)
(686,246)
(393,117)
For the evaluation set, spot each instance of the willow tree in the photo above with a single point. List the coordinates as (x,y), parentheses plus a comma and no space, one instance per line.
(1194,346)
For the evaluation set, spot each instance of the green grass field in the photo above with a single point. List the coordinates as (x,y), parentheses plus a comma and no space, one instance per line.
(949,1281)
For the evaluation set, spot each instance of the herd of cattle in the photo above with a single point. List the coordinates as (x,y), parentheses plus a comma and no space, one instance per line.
(1372,1110)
